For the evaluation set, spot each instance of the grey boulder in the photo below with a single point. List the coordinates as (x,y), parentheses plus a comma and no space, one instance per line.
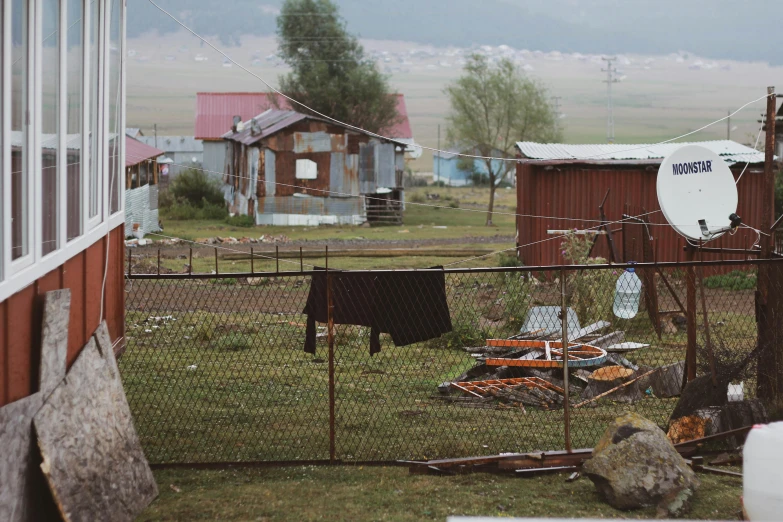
(635,465)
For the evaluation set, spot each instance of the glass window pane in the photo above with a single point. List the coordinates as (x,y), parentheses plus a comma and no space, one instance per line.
(50,55)
(115,102)
(95,112)
(19,175)
(74,61)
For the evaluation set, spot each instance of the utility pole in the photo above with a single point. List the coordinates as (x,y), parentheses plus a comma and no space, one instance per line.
(769,378)
(155,127)
(728,126)
(437,165)
(611,77)
(557,105)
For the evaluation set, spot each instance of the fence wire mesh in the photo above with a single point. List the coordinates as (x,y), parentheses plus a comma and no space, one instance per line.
(215,367)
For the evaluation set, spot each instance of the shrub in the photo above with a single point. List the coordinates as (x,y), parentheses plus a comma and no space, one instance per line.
(735,280)
(591,291)
(506,260)
(241,220)
(417,197)
(454,203)
(185,210)
(195,187)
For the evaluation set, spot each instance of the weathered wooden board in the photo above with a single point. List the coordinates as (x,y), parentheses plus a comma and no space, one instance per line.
(54,339)
(16,459)
(103,339)
(92,458)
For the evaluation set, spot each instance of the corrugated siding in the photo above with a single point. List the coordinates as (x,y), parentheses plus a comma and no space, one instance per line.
(576,192)
(269,172)
(138,209)
(21,314)
(214,158)
(312,142)
(310,211)
(385,165)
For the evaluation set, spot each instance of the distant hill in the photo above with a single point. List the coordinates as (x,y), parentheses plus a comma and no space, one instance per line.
(720,29)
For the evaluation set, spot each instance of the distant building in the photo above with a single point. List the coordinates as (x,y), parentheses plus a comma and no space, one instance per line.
(133,132)
(141,187)
(456,171)
(287,168)
(561,180)
(183,151)
(215,113)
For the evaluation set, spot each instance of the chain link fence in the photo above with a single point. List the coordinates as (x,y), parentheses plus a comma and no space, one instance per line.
(425,364)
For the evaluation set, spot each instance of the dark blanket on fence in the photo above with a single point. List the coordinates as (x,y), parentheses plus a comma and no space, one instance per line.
(410,306)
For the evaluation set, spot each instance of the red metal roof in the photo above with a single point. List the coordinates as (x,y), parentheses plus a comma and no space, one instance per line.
(215,112)
(136,151)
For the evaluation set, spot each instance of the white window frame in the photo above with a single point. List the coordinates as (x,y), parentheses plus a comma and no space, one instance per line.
(17,274)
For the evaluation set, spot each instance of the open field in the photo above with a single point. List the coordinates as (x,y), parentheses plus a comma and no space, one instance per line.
(657,100)
(391,494)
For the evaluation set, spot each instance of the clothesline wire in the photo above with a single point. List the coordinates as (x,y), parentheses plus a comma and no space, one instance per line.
(292,100)
(629,218)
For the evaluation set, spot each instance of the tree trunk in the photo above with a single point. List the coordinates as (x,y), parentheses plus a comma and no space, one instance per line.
(491,206)
(769,316)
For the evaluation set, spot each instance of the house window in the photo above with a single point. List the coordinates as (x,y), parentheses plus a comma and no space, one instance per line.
(19,121)
(74,64)
(306,169)
(95,119)
(50,108)
(56,105)
(116,133)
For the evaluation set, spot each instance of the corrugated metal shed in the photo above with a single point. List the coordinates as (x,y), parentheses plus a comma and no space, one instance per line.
(573,188)
(732,151)
(215,112)
(171,144)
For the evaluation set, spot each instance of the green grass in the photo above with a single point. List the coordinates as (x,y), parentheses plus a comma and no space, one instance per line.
(418,222)
(227,380)
(391,494)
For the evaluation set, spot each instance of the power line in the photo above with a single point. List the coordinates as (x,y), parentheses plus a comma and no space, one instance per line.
(376,135)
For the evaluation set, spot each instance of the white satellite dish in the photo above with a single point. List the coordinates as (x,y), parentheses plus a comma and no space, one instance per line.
(697,193)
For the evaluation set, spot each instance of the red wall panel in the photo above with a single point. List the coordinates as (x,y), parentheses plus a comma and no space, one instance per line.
(575,191)
(21,314)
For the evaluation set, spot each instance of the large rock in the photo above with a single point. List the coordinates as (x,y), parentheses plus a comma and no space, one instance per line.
(635,465)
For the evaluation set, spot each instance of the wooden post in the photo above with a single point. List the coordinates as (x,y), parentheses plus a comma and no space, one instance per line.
(707,338)
(690,281)
(564,324)
(770,278)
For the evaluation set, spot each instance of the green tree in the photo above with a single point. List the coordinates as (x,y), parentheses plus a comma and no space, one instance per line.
(493,107)
(330,72)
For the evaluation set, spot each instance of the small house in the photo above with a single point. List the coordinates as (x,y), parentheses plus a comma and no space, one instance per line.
(215,113)
(141,187)
(456,171)
(288,168)
(558,180)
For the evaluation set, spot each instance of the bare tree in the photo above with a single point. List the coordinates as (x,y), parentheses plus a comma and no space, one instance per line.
(493,107)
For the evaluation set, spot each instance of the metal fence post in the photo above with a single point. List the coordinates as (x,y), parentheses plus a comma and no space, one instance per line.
(330,339)
(564,323)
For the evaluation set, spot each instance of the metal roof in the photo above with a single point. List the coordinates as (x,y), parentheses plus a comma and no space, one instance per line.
(731,151)
(215,112)
(136,151)
(174,143)
(272,121)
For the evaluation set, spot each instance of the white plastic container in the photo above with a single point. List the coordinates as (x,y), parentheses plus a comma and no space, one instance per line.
(627,293)
(762,473)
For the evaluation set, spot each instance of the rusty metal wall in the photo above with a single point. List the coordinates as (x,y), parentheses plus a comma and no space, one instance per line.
(575,191)
(309,211)
(385,165)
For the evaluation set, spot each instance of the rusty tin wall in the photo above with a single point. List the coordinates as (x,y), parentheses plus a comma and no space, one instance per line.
(575,191)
